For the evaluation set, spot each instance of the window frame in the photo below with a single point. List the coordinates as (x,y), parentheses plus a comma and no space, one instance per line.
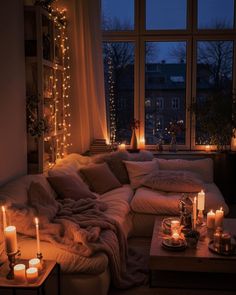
(191,36)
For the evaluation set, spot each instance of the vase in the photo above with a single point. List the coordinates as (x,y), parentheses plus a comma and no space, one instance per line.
(173,144)
(134,141)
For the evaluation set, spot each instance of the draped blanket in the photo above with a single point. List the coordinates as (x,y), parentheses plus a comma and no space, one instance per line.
(82,227)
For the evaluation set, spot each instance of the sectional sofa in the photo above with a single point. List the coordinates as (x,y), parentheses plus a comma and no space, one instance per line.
(133,203)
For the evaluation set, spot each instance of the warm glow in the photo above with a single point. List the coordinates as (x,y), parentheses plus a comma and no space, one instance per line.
(36,221)
(207,148)
(122,147)
(142,143)
(32,274)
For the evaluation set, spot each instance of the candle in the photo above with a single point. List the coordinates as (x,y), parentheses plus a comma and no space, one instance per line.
(194,212)
(207,148)
(211,219)
(175,226)
(37,235)
(32,274)
(219,217)
(175,238)
(201,200)
(121,147)
(35,262)
(142,143)
(217,239)
(226,242)
(19,273)
(10,239)
(4,219)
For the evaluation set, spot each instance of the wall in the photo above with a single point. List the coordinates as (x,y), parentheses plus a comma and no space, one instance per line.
(13,154)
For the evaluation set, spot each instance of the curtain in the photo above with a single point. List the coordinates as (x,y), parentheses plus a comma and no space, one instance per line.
(88,103)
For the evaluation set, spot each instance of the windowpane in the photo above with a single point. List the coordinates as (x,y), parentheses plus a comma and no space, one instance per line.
(118,15)
(166,14)
(214,86)
(215,14)
(119,89)
(165,88)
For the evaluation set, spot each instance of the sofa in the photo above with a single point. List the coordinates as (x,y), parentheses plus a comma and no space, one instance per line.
(133,204)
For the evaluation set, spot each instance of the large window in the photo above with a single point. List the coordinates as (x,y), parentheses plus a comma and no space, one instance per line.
(162,58)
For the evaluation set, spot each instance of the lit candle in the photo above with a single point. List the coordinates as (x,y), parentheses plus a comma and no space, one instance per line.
(32,274)
(142,143)
(194,212)
(10,239)
(175,226)
(37,235)
(207,148)
(35,262)
(175,238)
(201,200)
(4,218)
(219,217)
(19,273)
(211,219)
(226,242)
(121,147)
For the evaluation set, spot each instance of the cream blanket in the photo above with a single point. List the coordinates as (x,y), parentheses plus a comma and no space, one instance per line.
(81,227)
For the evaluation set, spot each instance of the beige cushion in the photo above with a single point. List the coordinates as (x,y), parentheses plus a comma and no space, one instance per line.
(100,178)
(175,181)
(204,167)
(138,171)
(70,187)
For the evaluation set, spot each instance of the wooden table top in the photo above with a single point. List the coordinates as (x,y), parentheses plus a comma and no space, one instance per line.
(190,259)
(48,266)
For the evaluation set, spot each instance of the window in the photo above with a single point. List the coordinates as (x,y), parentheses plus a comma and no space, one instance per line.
(175,103)
(168,57)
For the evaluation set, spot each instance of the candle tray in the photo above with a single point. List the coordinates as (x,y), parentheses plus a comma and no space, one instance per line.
(232,252)
(167,244)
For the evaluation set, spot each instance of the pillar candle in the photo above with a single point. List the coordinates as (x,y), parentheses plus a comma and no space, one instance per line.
(194,212)
(219,217)
(201,200)
(4,218)
(19,273)
(175,226)
(32,274)
(211,219)
(35,262)
(37,235)
(10,239)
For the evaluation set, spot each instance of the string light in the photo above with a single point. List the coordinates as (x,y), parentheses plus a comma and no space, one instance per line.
(60,105)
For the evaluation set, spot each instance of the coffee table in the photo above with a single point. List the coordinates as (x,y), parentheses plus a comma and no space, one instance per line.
(191,268)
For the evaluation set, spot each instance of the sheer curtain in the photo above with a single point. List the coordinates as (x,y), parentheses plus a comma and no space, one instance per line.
(88,105)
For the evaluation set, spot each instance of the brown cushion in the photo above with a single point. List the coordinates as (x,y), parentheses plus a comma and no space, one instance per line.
(100,178)
(118,167)
(174,181)
(71,187)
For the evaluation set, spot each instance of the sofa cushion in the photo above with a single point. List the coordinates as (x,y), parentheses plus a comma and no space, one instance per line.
(139,170)
(100,178)
(70,187)
(204,167)
(174,181)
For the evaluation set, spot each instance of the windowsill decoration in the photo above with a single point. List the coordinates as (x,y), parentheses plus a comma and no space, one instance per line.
(174,128)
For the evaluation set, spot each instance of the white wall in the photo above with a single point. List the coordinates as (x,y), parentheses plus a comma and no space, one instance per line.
(13,154)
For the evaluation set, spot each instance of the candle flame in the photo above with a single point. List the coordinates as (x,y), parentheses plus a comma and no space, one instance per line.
(36,221)
(3,209)
(221,208)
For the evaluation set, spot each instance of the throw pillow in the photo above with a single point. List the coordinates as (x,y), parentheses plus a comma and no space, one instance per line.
(175,181)
(139,170)
(100,178)
(70,187)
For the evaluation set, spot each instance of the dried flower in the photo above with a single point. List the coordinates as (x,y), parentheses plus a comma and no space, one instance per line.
(135,124)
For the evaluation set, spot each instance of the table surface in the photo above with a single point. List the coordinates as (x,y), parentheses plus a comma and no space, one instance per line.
(48,266)
(199,259)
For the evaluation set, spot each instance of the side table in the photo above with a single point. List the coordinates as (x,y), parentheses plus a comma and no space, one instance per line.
(49,268)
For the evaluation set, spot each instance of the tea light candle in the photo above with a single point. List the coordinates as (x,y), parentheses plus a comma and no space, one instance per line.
(142,143)
(211,219)
(219,217)
(4,218)
(175,226)
(207,148)
(37,235)
(19,273)
(35,262)
(175,238)
(121,147)
(201,200)
(32,274)
(10,239)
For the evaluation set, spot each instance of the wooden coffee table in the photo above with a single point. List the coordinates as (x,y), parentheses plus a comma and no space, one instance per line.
(191,268)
